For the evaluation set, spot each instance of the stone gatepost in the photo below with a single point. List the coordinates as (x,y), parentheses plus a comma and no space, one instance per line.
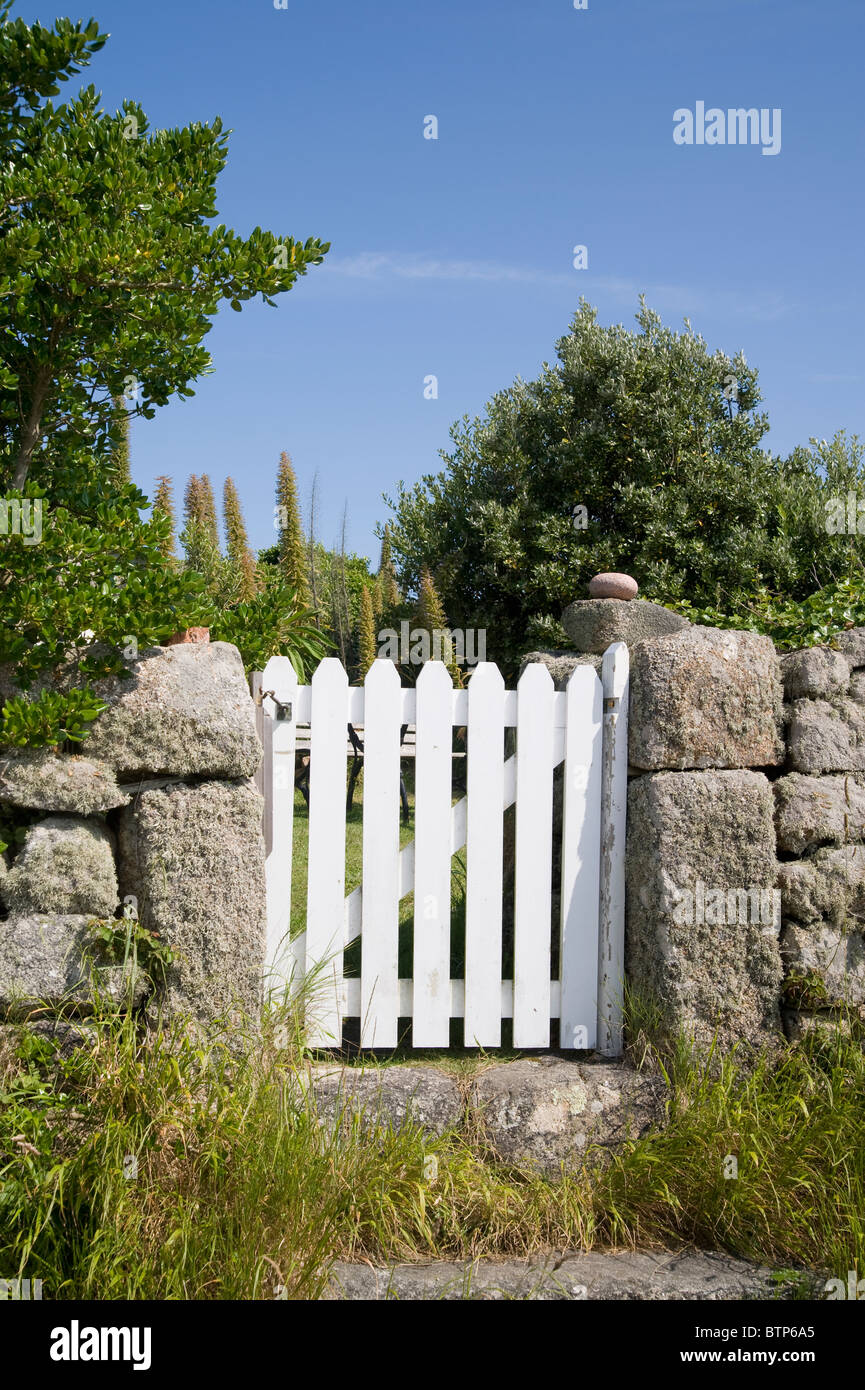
(705,721)
(157,818)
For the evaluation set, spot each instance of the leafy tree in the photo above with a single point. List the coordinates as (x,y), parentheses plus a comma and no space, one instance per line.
(102,574)
(190,499)
(658,440)
(202,554)
(111,270)
(111,266)
(834,506)
(292,547)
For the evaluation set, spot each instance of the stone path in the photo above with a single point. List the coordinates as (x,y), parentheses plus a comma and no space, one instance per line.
(574,1277)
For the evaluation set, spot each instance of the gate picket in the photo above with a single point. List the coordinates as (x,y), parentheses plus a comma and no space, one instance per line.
(581,840)
(379,942)
(484,811)
(534,858)
(431,1008)
(326,865)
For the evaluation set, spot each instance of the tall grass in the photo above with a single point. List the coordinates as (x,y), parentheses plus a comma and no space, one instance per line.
(243,1191)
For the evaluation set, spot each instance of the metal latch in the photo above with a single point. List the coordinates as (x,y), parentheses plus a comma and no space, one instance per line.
(283,710)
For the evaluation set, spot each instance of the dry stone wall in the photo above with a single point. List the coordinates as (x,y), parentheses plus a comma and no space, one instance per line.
(746,822)
(155,822)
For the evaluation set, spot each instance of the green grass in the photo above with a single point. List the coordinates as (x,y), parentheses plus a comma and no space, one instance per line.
(240,1189)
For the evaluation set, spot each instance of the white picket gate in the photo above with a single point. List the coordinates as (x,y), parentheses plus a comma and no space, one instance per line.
(585,727)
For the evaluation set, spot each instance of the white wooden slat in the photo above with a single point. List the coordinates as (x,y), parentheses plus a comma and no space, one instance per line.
(484,814)
(304,703)
(614,801)
(351,998)
(533,857)
(432,858)
(409,707)
(458,839)
(581,843)
(356,697)
(379,993)
(326,870)
(279,676)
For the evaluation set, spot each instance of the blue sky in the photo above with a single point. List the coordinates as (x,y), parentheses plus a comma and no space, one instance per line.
(453,257)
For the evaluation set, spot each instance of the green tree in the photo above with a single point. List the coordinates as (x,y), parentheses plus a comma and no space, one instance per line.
(190,499)
(101,573)
(658,440)
(112,265)
(111,270)
(292,546)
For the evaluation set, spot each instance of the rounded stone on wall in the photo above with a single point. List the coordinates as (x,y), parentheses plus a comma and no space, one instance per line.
(612,585)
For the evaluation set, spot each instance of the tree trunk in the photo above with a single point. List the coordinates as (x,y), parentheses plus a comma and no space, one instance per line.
(32,429)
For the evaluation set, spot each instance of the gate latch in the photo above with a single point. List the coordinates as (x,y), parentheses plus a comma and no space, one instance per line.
(283,710)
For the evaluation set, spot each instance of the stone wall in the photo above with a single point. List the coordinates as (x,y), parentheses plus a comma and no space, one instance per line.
(156,821)
(746,822)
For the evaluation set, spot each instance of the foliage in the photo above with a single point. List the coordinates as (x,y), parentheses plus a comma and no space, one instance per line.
(242,1193)
(272,623)
(813,621)
(120,467)
(49,718)
(237,542)
(659,440)
(111,264)
(163,503)
(340,580)
(291,544)
(388,587)
(366,644)
(125,942)
(112,267)
(430,617)
(78,604)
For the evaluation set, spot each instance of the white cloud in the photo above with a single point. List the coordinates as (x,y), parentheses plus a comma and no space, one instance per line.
(375,265)
(683,300)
